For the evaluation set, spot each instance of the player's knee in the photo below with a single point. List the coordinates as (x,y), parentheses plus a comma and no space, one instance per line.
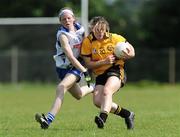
(79,95)
(107,92)
(97,102)
(60,90)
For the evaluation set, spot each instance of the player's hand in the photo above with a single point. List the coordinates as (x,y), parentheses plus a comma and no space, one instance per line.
(110,59)
(87,78)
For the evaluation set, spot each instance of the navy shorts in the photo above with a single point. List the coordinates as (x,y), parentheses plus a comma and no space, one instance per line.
(62,73)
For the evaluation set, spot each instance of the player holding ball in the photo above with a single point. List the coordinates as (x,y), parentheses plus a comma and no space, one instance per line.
(99,56)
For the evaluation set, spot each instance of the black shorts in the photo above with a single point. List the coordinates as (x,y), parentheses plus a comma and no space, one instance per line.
(112,71)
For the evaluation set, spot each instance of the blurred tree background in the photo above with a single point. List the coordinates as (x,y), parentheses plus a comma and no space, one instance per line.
(150,23)
(150,26)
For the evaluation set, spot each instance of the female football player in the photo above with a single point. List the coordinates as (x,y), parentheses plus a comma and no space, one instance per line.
(69,69)
(98,53)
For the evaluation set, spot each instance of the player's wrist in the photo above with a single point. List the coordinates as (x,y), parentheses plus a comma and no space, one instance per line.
(102,62)
(85,70)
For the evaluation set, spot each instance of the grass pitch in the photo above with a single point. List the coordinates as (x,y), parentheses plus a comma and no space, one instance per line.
(157,109)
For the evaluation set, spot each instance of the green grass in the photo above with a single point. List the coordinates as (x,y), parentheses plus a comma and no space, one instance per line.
(157,109)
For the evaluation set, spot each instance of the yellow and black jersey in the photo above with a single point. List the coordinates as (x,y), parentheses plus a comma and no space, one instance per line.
(100,49)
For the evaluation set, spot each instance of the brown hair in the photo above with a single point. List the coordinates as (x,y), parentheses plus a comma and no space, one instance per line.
(98,20)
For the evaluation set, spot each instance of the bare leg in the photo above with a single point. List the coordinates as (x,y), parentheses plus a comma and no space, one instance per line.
(112,85)
(98,97)
(62,88)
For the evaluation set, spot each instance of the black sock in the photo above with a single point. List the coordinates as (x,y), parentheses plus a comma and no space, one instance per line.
(124,113)
(103,116)
(117,110)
